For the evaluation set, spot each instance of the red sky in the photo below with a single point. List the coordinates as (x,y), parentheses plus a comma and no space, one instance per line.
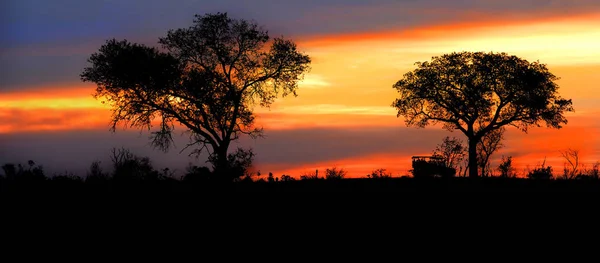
(342,116)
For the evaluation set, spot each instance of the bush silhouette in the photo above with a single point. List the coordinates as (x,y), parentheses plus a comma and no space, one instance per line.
(505,168)
(287,178)
(335,173)
(541,173)
(379,174)
(131,169)
(20,173)
(310,176)
(197,174)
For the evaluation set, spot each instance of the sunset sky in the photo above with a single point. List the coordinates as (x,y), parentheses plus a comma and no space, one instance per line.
(342,116)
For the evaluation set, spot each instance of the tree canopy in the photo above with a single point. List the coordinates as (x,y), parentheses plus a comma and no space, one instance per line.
(207,78)
(478,92)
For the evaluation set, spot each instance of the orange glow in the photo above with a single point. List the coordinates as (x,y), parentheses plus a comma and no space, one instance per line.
(397,165)
(483,26)
(49,119)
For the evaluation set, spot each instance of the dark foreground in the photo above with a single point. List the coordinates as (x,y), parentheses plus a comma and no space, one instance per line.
(364,203)
(349,185)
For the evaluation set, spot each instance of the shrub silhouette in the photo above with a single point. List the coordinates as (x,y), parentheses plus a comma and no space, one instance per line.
(197,174)
(379,174)
(505,168)
(287,178)
(541,173)
(335,173)
(96,174)
(129,168)
(20,173)
(67,182)
(310,176)
(435,167)
(590,174)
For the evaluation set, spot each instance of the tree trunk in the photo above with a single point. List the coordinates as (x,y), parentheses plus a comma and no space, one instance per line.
(219,160)
(472,156)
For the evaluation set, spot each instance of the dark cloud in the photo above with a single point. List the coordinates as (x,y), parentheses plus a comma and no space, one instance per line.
(25,71)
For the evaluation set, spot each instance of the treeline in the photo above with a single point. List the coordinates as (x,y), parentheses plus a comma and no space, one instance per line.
(132,173)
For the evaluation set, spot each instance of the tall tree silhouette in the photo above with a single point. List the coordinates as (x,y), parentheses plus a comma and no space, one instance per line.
(207,77)
(477,93)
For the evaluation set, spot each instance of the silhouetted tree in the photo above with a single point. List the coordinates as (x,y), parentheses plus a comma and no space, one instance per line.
(129,167)
(96,173)
(506,169)
(572,157)
(477,93)
(335,173)
(208,79)
(237,164)
(488,144)
(452,150)
(310,175)
(287,178)
(379,174)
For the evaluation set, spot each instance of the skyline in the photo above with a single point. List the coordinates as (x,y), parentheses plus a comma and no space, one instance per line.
(347,94)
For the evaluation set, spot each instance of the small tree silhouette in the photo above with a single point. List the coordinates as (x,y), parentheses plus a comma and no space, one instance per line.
(452,150)
(335,173)
(572,158)
(131,168)
(506,169)
(488,145)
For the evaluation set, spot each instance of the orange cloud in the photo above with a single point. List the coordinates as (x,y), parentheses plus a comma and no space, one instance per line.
(48,119)
(473,24)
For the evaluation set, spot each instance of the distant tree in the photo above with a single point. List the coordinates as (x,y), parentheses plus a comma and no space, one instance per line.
(379,174)
(21,173)
(128,167)
(477,93)
(488,144)
(207,77)
(452,150)
(310,175)
(335,173)
(287,178)
(506,168)
(572,158)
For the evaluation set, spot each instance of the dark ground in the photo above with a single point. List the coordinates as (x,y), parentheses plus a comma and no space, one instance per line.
(347,185)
